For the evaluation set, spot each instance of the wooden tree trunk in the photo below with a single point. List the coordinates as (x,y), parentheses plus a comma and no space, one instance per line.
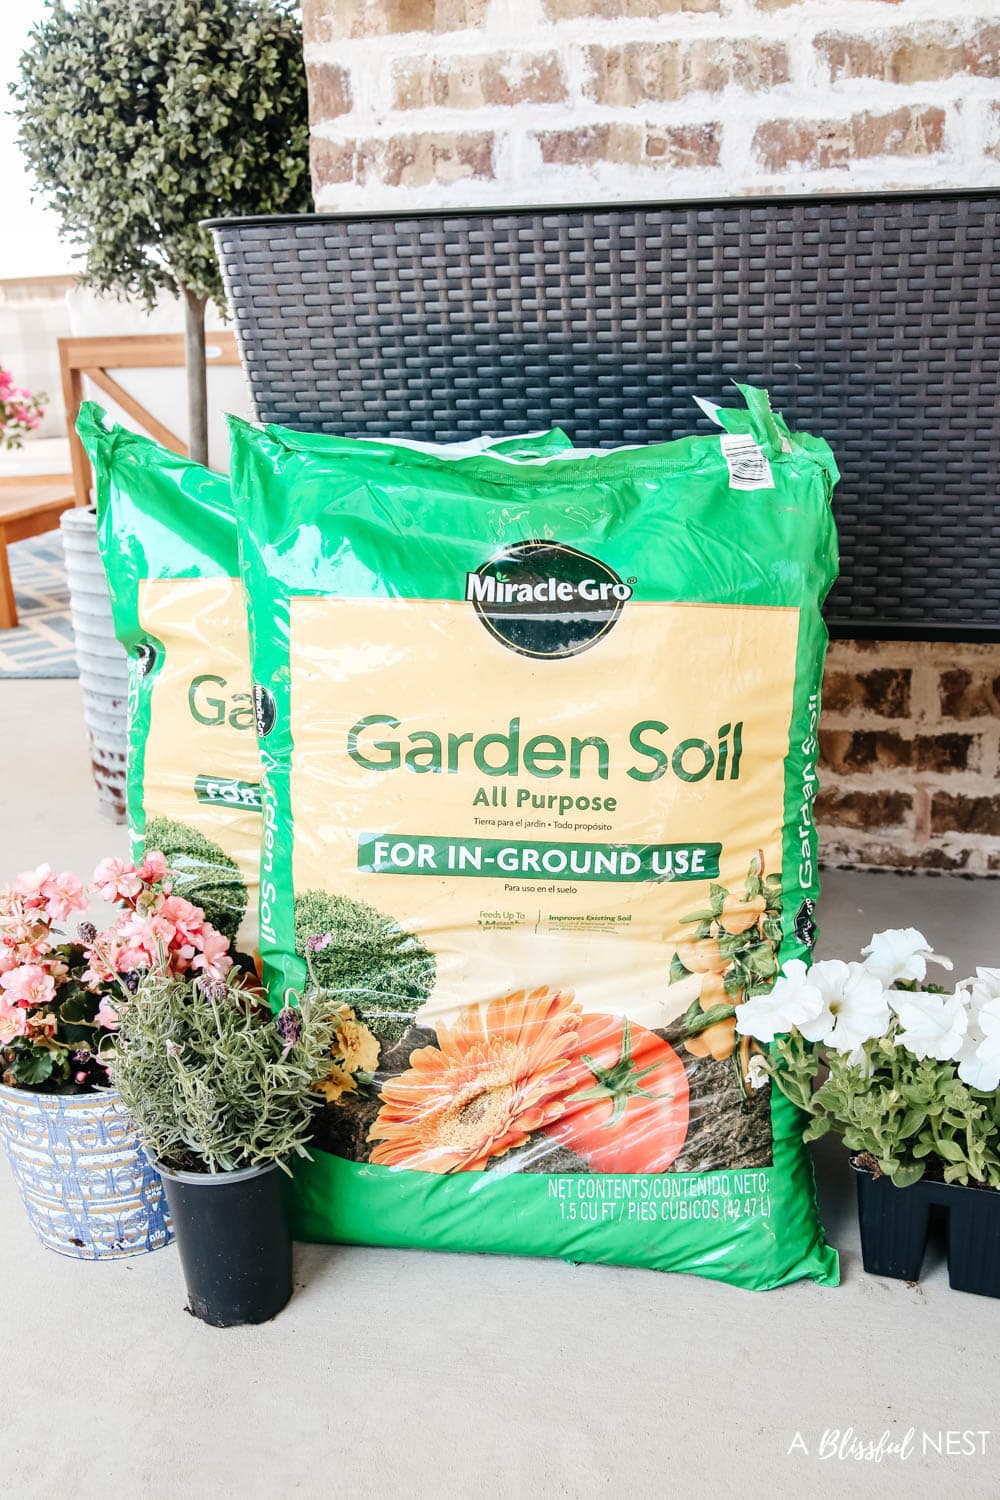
(197,380)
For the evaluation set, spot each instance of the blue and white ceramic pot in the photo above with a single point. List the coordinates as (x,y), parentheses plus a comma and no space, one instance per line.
(86,1183)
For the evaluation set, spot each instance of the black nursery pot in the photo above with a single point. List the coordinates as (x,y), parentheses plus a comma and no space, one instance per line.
(894,1224)
(235,1242)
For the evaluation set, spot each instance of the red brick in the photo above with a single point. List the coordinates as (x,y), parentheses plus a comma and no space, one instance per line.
(916,55)
(329,91)
(779,144)
(858,648)
(968,695)
(904,132)
(621,10)
(953,813)
(684,145)
(888,856)
(331,162)
(884,691)
(418,160)
(331,20)
(865,810)
(473,82)
(656,145)
(785,4)
(823,144)
(944,752)
(642,72)
(587,144)
(850,751)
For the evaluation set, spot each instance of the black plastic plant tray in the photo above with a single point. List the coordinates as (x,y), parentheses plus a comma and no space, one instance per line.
(895,1223)
(873,321)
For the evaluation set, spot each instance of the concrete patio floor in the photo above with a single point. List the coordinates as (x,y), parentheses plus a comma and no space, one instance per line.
(396,1373)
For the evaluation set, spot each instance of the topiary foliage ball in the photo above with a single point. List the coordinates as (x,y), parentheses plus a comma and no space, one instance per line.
(202,872)
(137,118)
(373,964)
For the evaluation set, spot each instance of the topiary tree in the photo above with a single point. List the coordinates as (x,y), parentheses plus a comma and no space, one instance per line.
(140,117)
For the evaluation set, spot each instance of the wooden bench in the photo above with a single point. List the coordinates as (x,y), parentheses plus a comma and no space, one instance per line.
(29,506)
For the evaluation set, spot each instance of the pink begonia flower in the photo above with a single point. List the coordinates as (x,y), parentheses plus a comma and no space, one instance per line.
(29,984)
(187,919)
(132,958)
(107,1016)
(63,894)
(29,883)
(23,924)
(36,953)
(117,880)
(153,868)
(214,958)
(102,960)
(147,931)
(161,929)
(8,956)
(13,1022)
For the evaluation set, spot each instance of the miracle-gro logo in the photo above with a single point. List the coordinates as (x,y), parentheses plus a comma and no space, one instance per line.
(544,599)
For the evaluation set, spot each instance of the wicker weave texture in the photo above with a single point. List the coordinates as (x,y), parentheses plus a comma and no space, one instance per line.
(875,322)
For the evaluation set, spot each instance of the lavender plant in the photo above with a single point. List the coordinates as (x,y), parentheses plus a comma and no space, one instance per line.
(214,1080)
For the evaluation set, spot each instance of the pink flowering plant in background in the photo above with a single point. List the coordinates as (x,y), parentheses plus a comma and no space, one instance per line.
(61,995)
(20,411)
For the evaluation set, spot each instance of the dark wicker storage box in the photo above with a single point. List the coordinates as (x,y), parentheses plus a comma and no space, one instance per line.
(874,321)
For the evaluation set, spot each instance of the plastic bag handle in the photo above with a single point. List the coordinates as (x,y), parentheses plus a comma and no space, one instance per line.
(768,430)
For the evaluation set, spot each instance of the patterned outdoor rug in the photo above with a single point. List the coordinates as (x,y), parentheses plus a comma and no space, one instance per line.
(42,643)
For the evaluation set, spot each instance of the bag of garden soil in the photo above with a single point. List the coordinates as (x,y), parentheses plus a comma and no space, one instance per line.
(539,744)
(168,538)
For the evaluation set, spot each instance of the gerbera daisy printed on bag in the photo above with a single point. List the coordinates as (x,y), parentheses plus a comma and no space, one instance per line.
(495,1077)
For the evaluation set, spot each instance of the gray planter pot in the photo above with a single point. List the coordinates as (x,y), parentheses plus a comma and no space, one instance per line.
(101,659)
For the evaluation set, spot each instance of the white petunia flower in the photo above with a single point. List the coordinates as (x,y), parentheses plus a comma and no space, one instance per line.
(979,1059)
(792,1000)
(931,1025)
(854,1010)
(757,1075)
(984,988)
(900,953)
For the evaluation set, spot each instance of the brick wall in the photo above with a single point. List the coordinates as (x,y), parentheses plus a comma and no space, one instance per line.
(910,757)
(431,103)
(434,102)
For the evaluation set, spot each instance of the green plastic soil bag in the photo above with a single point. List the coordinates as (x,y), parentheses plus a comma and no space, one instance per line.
(168,539)
(539,743)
